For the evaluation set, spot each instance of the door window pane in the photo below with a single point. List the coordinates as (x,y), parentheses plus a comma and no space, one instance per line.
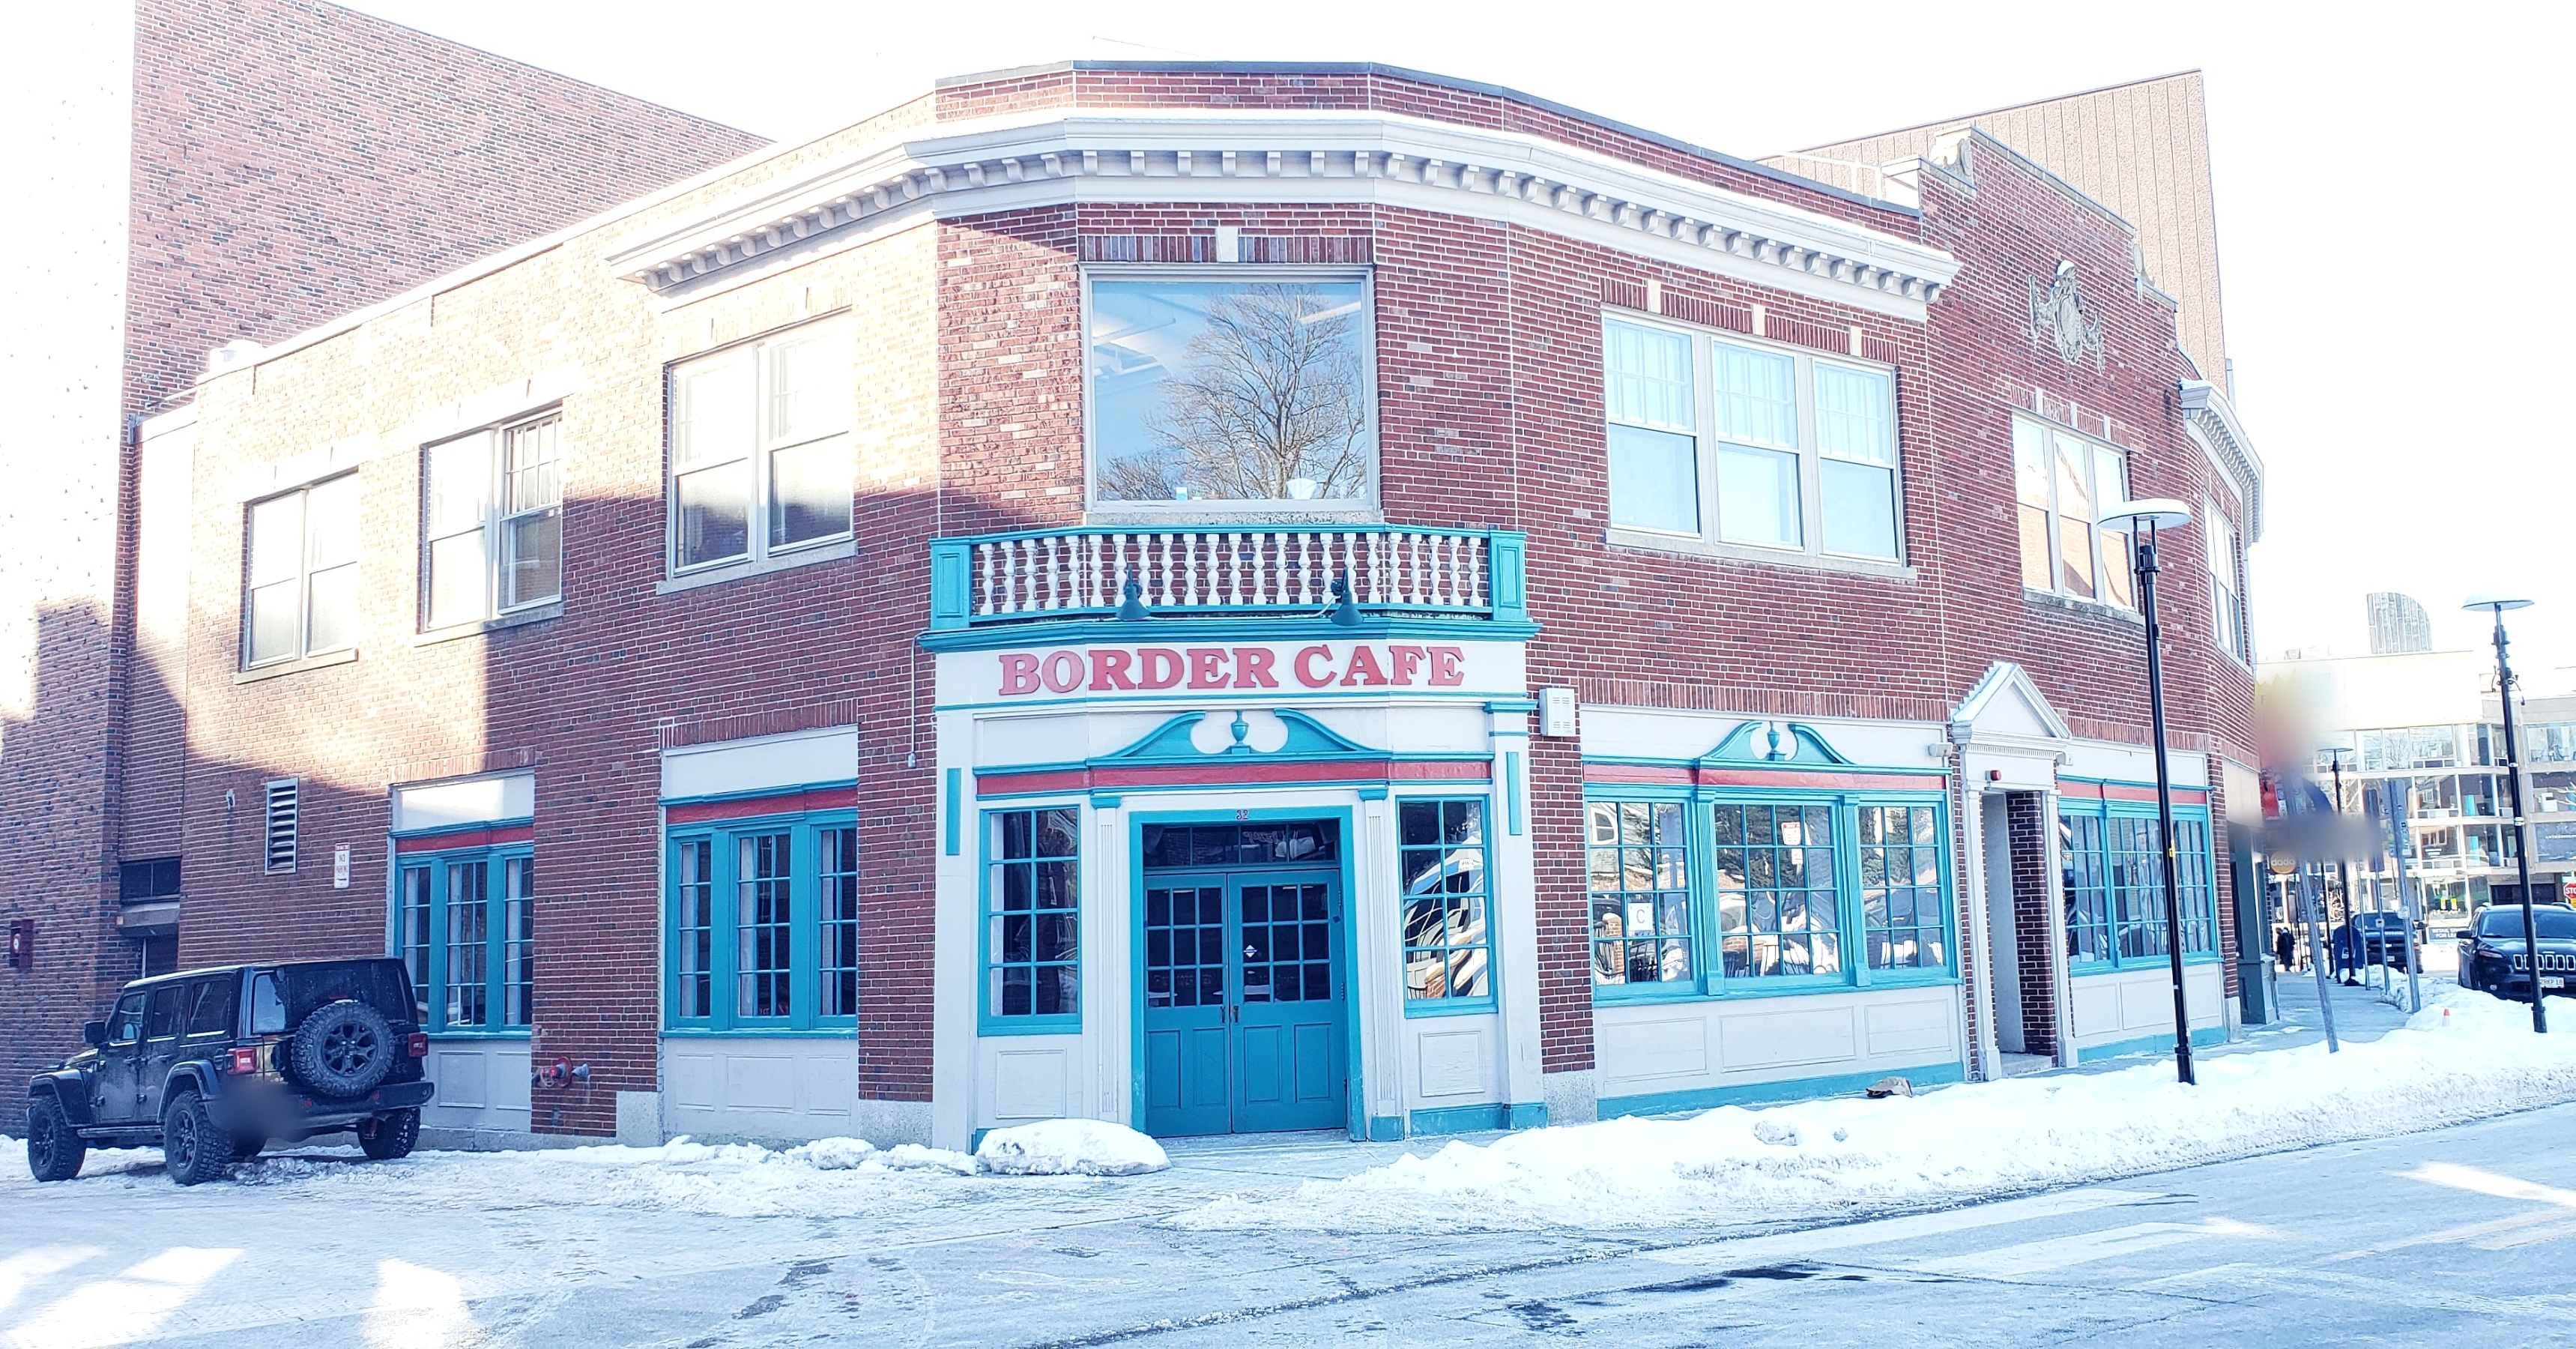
(1230,391)
(1757,497)
(1654,480)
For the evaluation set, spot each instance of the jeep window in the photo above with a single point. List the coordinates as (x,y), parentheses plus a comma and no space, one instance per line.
(215,999)
(267,1008)
(2555,924)
(164,1021)
(126,1026)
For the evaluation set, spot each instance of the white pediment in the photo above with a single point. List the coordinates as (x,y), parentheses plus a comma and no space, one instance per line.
(2005,706)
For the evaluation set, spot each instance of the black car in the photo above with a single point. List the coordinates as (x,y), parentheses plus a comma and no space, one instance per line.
(2383,937)
(211,1064)
(2493,958)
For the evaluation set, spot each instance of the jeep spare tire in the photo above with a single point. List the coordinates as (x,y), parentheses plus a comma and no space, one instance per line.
(344,1049)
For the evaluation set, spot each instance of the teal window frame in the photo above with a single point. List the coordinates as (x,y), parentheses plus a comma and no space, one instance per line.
(1483,895)
(1709,979)
(2103,827)
(990,1020)
(803,928)
(509,950)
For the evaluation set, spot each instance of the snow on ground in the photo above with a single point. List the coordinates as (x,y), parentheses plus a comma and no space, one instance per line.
(1070,1147)
(1843,1155)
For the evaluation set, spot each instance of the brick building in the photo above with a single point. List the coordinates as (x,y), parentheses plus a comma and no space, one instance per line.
(1224,598)
(213,173)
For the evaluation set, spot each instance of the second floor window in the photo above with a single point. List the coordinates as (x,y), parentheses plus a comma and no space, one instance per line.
(1736,442)
(2226,591)
(760,457)
(300,580)
(2064,485)
(492,523)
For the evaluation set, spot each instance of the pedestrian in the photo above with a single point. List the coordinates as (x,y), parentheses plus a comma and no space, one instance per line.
(2285,948)
(2347,954)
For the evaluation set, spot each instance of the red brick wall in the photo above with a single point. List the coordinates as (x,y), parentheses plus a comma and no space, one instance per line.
(2033,916)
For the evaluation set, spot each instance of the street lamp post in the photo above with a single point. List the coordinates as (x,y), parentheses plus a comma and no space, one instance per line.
(2141,520)
(2343,866)
(2496,605)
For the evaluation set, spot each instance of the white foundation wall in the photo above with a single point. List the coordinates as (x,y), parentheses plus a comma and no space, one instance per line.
(763,1088)
(483,1085)
(1713,1045)
(2132,1004)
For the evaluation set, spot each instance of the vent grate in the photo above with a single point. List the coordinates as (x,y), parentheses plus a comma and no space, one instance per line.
(282,796)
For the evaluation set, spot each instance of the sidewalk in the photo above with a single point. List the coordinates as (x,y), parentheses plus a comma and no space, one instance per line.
(2361,1016)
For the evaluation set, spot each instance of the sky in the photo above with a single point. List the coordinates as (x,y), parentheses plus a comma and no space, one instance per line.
(2392,201)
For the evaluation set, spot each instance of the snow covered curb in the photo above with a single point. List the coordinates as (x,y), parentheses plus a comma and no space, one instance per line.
(1837,1156)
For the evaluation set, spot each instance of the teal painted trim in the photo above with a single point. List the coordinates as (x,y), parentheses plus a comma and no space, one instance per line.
(1207,699)
(1738,748)
(492,860)
(724,921)
(975,1140)
(1460,1119)
(1302,626)
(1385,1129)
(1103,801)
(989,1022)
(1511,705)
(850,1032)
(444,830)
(480,1036)
(1791,1089)
(756,793)
(1516,813)
(1377,793)
(956,807)
(1928,770)
(1369,789)
(1508,570)
(1484,1006)
(1525,1115)
(2149,1044)
(952,584)
(2147,786)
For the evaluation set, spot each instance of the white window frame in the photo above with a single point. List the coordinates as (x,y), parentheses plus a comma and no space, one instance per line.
(764,446)
(1809,451)
(1363,507)
(305,575)
(2096,450)
(2225,552)
(492,520)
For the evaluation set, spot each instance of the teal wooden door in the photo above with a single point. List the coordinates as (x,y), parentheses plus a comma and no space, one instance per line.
(1243,1003)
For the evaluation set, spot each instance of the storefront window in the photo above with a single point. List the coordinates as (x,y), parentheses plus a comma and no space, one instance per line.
(1778,914)
(2114,881)
(1639,869)
(1032,924)
(1442,856)
(467,925)
(1231,391)
(761,922)
(1900,888)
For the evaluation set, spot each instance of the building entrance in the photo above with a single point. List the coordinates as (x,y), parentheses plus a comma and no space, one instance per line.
(1245,999)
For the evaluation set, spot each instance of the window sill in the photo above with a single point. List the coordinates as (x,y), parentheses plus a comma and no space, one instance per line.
(479,1036)
(320,662)
(1435,1007)
(758,1033)
(2050,599)
(1052,1025)
(804,556)
(1619,537)
(1182,514)
(522,618)
(1746,989)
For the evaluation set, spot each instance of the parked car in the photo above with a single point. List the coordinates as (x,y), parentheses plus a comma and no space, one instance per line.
(2493,958)
(212,1064)
(2383,937)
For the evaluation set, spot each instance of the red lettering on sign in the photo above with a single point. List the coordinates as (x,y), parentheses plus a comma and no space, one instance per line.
(1207,667)
(1305,670)
(1158,667)
(1109,671)
(1364,669)
(1446,662)
(1252,668)
(1062,671)
(1406,660)
(1019,673)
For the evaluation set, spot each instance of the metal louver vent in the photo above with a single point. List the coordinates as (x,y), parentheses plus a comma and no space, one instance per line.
(281,825)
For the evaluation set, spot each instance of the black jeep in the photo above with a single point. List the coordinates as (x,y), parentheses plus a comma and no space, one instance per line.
(211,1064)
(2494,957)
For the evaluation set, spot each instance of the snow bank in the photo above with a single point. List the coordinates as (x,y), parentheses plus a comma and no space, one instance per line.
(1070,1147)
(1835,1156)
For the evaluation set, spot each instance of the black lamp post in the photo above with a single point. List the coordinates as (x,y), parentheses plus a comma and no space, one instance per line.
(2497,604)
(2140,520)
(2343,867)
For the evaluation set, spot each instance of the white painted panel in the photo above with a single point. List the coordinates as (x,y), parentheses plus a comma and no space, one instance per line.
(768,762)
(695,1080)
(1667,1047)
(482,1084)
(2097,1006)
(1664,733)
(759,1083)
(827,1086)
(1035,740)
(1453,1062)
(1029,1083)
(460,1078)
(1907,1027)
(2146,1005)
(445,805)
(1788,1036)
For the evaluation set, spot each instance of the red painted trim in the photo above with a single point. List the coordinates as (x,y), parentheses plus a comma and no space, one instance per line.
(2183,796)
(1661,775)
(493,837)
(1235,775)
(786,803)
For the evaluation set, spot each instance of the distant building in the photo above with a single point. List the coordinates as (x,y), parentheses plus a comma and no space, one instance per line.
(2398,624)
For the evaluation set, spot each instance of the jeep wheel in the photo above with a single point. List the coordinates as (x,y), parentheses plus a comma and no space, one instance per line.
(389,1136)
(54,1152)
(344,1049)
(193,1150)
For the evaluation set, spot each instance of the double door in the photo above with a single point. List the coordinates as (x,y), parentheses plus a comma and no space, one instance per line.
(1244,1005)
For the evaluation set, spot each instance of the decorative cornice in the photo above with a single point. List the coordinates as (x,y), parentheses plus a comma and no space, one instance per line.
(1002,165)
(2207,411)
